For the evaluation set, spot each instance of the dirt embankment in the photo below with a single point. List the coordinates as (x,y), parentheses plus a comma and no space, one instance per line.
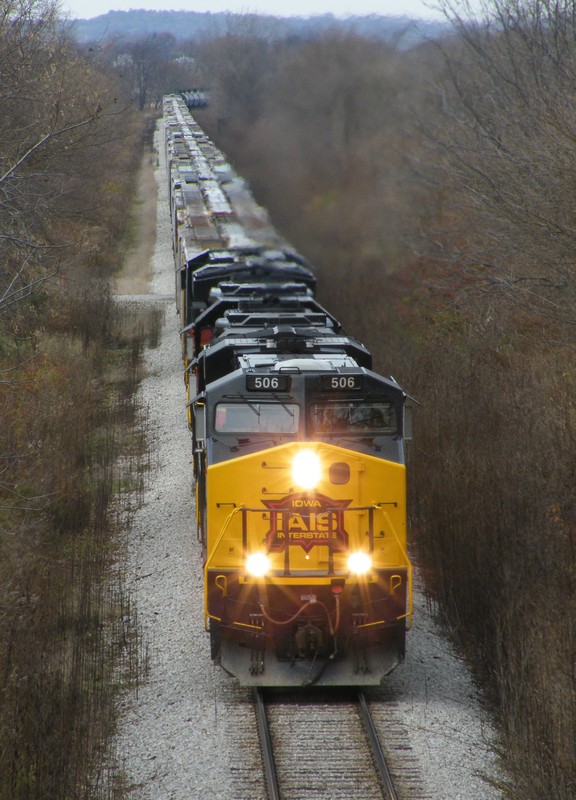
(136,274)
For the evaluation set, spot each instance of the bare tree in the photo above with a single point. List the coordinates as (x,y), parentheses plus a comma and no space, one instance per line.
(149,59)
(50,105)
(240,64)
(512,121)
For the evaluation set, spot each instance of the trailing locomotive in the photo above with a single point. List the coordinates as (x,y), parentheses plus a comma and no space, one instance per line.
(298,446)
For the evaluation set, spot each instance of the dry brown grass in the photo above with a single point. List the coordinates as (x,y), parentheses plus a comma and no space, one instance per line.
(70,467)
(68,638)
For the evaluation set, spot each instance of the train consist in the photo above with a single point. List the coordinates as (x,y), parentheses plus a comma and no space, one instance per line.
(298,445)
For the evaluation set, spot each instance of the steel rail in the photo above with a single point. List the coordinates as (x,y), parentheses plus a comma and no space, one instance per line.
(378,753)
(266,746)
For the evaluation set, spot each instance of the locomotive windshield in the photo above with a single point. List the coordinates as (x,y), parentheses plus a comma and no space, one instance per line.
(250,417)
(343,416)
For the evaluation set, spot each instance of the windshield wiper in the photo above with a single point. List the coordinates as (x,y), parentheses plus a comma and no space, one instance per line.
(258,442)
(232,447)
(369,440)
(254,408)
(284,406)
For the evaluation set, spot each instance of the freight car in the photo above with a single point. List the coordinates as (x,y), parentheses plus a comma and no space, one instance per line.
(298,449)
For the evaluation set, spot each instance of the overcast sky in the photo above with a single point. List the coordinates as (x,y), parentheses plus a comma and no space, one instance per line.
(412,8)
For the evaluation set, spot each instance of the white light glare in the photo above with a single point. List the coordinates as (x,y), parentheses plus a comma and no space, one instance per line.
(257,565)
(359,563)
(306,471)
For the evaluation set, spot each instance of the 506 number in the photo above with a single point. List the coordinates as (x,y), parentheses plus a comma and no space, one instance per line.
(267,383)
(341,383)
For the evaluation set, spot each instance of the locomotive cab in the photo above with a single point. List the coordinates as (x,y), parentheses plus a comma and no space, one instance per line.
(250,410)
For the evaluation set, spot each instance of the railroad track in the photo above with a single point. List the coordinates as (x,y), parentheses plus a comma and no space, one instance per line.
(321,746)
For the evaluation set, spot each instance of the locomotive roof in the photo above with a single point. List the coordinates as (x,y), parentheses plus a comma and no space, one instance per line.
(231,313)
(234,384)
(263,289)
(276,344)
(288,339)
(312,362)
(256,268)
(206,277)
(249,256)
(294,316)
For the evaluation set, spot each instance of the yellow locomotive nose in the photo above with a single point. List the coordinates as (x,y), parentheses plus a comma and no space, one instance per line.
(306,469)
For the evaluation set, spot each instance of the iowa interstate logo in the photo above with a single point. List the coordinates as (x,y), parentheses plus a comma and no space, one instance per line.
(306,519)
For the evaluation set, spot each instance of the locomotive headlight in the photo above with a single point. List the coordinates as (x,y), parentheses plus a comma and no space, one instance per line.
(258,565)
(306,470)
(359,563)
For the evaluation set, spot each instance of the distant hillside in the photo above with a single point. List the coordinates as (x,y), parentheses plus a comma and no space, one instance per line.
(135,24)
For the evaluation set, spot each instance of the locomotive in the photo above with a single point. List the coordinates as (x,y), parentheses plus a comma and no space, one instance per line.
(298,446)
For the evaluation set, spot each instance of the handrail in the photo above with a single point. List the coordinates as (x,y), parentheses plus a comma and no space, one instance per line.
(405,561)
(373,507)
(409,612)
(227,521)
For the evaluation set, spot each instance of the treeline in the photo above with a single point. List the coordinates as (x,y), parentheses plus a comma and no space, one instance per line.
(138,24)
(433,190)
(69,148)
